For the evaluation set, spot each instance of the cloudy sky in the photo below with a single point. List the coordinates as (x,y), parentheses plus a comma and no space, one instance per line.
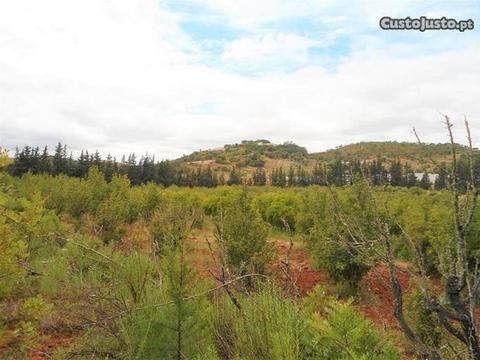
(171,76)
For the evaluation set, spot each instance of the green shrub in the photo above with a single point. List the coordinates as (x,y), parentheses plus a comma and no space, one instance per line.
(270,327)
(243,233)
(338,331)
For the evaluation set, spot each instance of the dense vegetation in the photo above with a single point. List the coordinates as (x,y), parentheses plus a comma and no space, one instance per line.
(338,170)
(419,155)
(101,253)
(250,153)
(111,264)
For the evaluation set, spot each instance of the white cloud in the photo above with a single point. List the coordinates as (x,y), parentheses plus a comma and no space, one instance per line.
(269,47)
(122,76)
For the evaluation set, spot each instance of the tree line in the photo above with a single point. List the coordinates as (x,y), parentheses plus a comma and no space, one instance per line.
(114,267)
(146,169)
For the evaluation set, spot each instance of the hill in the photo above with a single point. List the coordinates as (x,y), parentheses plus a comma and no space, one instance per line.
(263,153)
(248,155)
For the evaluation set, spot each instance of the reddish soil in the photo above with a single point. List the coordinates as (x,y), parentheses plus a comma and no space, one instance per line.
(303,275)
(203,260)
(47,348)
(6,342)
(301,272)
(380,305)
(380,308)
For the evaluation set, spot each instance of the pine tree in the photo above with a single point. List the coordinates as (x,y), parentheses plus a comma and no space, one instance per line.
(22,162)
(259,177)
(243,233)
(291,179)
(337,173)
(71,166)
(396,175)
(133,170)
(425,181)
(147,169)
(165,174)
(45,162)
(59,163)
(409,178)
(235,177)
(282,179)
(274,177)
(441,180)
(318,176)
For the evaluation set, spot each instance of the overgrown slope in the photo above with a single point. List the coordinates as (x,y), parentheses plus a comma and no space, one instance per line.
(263,153)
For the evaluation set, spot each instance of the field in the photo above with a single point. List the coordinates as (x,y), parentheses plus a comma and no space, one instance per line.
(102,269)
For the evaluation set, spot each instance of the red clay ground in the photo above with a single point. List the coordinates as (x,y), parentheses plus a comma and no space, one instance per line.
(48,347)
(380,299)
(379,309)
(380,303)
(304,276)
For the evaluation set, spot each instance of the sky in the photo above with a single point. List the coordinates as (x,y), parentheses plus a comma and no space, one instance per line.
(168,77)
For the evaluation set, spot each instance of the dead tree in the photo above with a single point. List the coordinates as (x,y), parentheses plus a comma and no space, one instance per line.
(377,247)
(461,284)
(290,283)
(224,274)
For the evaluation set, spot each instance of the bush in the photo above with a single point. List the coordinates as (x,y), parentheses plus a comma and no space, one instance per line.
(243,233)
(171,224)
(269,327)
(337,330)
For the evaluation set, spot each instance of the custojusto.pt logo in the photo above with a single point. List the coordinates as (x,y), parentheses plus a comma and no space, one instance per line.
(423,23)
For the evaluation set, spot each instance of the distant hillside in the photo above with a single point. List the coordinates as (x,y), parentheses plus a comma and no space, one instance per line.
(417,155)
(249,154)
(257,162)
(263,153)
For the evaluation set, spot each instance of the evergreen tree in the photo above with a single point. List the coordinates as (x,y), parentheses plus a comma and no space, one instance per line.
(259,177)
(425,181)
(409,178)
(165,174)
(235,177)
(21,164)
(337,173)
(291,180)
(242,232)
(302,178)
(318,176)
(396,175)
(71,166)
(108,168)
(282,179)
(133,170)
(45,162)
(441,180)
(97,160)
(59,163)
(274,177)
(147,169)
(356,170)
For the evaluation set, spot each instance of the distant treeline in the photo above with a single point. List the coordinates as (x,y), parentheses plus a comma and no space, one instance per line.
(145,169)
